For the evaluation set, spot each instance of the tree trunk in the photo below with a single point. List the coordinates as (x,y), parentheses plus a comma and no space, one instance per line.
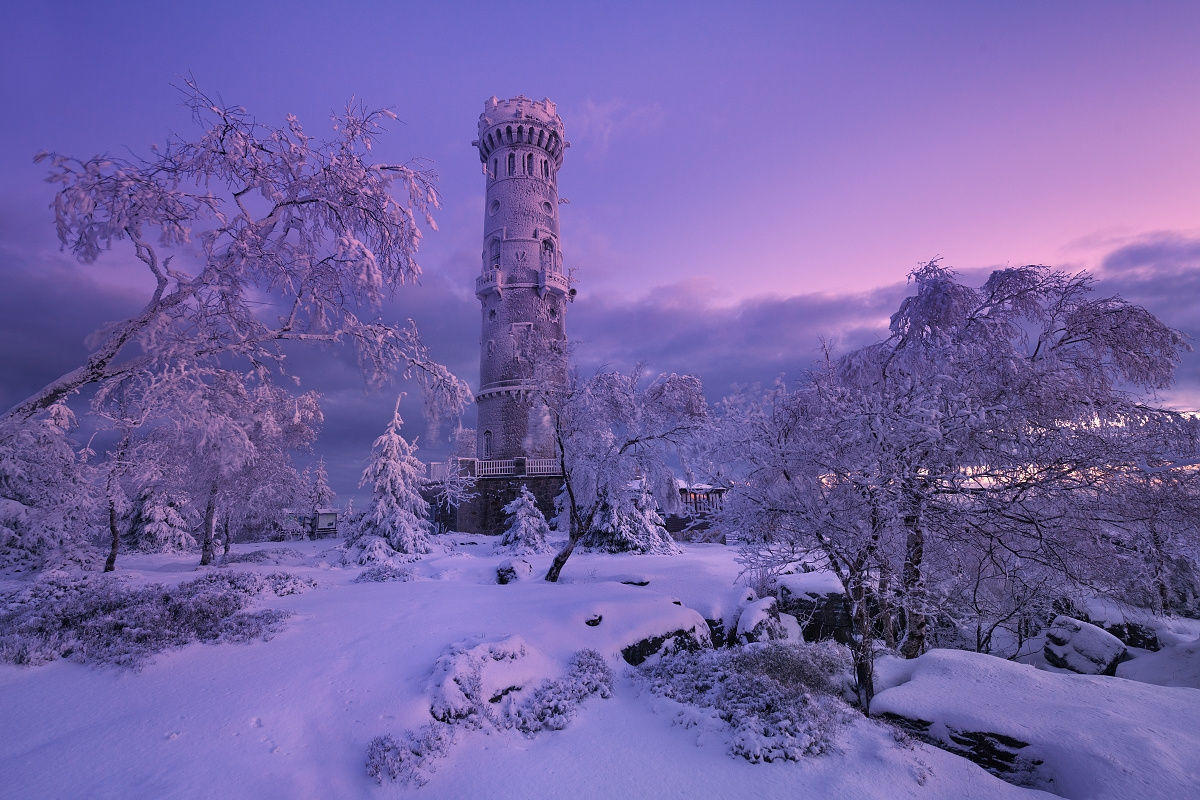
(560,559)
(210,523)
(225,536)
(114,478)
(915,620)
(862,650)
(1160,568)
(111,563)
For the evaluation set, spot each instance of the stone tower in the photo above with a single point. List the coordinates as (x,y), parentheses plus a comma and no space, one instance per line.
(522,289)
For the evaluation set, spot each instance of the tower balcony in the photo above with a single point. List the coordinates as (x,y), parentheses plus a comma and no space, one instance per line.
(490,282)
(552,280)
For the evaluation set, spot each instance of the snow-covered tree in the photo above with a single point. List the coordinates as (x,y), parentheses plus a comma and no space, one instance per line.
(46,491)
(397,521)
(525,529)
(161,522)
(252,236)
(630,523)
(242,218)
(611,430)
(954,472)
(320,493)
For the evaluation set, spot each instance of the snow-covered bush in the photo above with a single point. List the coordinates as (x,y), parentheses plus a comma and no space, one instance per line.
(269,555)
(495,684)
(526,528)
(100,619)
(411,760)
(552,705)
(777,700)
(384,573)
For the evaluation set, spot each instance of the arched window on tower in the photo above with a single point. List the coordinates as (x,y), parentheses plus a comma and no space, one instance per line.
(494,253)
(545,169)
(487,444)
(495,167)
(512,163)
(548,261)
(529,164)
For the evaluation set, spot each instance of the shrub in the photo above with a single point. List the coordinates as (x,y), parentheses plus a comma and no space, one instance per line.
(459,703)
(774,699)
(410,760)
(100,619)
(383,573)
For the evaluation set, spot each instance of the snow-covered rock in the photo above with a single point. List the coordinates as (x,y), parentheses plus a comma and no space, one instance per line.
(1078,736)
(817,601)
(683,630)
(512,570)
(1082,647)
(1138,627)
(759,622)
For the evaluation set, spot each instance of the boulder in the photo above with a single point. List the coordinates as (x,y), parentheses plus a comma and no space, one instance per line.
(997,753)
(512,570)
(818,603)
(1082,647)
(721,614)
(760,622)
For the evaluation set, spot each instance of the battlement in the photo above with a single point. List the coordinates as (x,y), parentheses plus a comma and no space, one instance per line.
(520,108)
(521,121)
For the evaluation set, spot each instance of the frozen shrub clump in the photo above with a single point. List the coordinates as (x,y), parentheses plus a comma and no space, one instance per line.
(491,685)
(552,705)
(776,700)
(270,555)
(409,760)
(99,619)
(384,573)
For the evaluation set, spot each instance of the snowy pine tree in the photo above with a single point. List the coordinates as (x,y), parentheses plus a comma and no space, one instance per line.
(630,524)
(160,523)
(320,493)
(397,521)
(526,528)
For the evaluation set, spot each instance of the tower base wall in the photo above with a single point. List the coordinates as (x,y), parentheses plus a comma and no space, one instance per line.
(485,513)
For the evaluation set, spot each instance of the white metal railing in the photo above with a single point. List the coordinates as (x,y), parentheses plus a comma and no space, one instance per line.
(495,468)
(543,466)
(487,469)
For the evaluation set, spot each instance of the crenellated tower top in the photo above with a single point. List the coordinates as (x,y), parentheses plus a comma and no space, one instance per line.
(520,121)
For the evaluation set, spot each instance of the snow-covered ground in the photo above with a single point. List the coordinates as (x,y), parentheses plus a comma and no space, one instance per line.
(292,717)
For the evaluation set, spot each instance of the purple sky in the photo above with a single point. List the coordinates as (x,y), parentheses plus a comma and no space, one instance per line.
(741,181)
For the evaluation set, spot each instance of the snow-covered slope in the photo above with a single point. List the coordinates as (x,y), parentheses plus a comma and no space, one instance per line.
(291,717)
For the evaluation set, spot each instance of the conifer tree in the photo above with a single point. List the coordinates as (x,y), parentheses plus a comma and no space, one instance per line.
(526,528)
(160,522)
(630,523)
(397,521)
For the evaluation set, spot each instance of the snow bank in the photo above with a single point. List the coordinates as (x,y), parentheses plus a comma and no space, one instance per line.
(1177,665)
(1082,737)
